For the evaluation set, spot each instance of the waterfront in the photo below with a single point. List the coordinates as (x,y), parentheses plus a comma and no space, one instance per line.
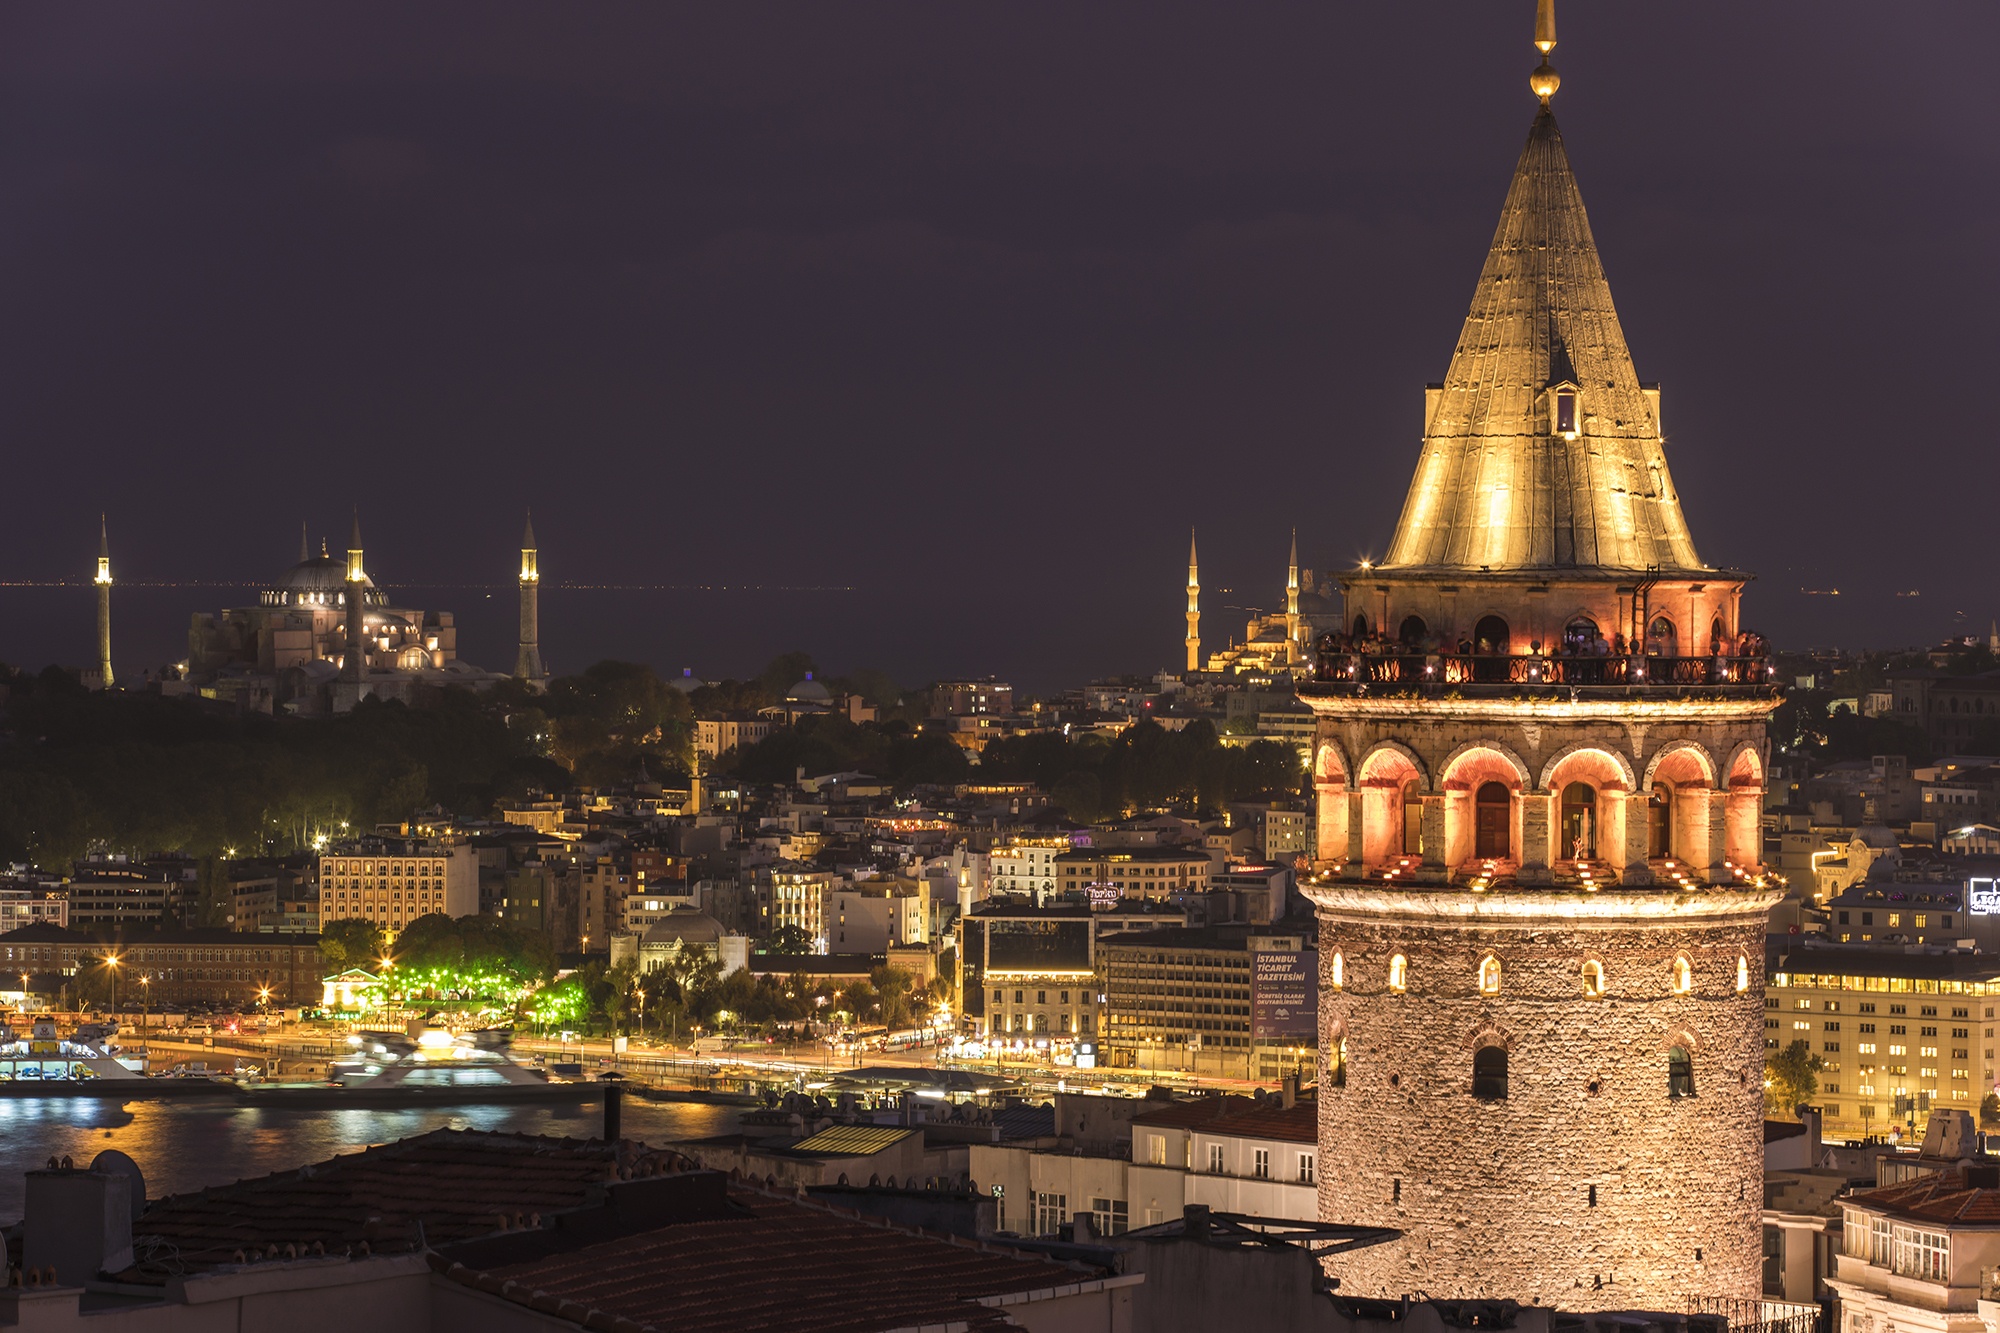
(185,1146)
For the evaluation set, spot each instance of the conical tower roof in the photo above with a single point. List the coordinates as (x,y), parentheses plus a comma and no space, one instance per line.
(1497,487)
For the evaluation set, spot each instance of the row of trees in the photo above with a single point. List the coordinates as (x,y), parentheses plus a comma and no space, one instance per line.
(85,772)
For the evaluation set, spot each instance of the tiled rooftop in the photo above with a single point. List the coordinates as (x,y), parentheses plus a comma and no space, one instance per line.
(448,1185)
(1942,1196)
(787,1265)
(1271,1119)
(1192,1114)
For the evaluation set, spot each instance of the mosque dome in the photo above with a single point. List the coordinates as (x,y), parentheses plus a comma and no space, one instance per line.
(685,925)
(319,580)
(808,691)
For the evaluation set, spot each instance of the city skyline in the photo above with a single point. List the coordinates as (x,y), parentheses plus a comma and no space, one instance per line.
(821,309)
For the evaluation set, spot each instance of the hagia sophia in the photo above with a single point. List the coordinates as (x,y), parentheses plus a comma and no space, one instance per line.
(324,636)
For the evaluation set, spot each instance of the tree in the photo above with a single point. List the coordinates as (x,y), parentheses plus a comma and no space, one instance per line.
(352,942)
(214,896)
(892,986)
(789,939)
(1791,1079)
(1989,1110)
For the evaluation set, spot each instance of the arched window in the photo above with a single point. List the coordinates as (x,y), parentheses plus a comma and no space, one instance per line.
(1580,634)
(1361,627)
(1492,821)
(1661,641)
(1718,640)
(1489,975)
(1339,970)
(1680,1073)
(1339,1065)
(1743,971)
(1489,635)
(1399,972)
(1683,976)
(1593,978)
(1412,631)
(1489,1073)
(1660,821)
(1579,822)
(1413,818)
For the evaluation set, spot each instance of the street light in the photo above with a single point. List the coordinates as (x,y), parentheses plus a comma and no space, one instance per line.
(111,965)
(145,1000)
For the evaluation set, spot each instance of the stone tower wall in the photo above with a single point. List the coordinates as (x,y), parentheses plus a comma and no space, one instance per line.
(1495,1198)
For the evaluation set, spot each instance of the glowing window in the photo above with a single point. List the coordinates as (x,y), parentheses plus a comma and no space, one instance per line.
(1593,978)
(1489,976)
(1742,972)
(1683,976)
(1339,971)
(1399,972)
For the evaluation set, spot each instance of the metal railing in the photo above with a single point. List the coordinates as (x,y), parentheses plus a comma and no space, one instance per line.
(1628,671)
(1758,1316)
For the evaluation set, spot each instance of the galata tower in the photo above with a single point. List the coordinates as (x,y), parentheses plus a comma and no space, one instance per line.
(1540,756)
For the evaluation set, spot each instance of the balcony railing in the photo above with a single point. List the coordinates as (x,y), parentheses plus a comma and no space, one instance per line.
(1396,673)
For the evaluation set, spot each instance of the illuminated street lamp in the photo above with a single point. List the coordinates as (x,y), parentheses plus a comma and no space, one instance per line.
(145,999)
(111,966)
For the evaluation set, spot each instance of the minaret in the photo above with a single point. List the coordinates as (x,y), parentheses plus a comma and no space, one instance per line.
(305,551)
(528,663)
(355,668)
(1292,605)
(1194,610)
(103,582)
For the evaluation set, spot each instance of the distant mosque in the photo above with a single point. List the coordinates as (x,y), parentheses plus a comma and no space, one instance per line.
(1275,644)
(326,637)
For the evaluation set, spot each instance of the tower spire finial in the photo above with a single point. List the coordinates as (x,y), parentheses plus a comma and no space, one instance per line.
(305,549)
(1544,81)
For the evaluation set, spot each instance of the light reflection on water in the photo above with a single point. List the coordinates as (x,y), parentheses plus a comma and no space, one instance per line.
(189,1145)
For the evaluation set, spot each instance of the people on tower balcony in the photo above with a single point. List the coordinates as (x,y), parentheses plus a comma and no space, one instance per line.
(1585,657)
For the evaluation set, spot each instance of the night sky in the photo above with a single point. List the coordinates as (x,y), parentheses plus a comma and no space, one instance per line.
(933,328)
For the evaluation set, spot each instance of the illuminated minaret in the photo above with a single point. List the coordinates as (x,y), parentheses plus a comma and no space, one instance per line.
(528,663)
(1194,610)
(1292,605)
(103,582)
(355,668)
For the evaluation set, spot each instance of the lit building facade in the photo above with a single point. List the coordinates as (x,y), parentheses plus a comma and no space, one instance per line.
(1540,760)
(1900,1035)
(393,881)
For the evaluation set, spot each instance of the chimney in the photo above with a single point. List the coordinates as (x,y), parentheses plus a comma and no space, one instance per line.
(1083,1230)
(614,1108)
(1812,1118)
(1290,1094)
(80,1221)
(1194,1219)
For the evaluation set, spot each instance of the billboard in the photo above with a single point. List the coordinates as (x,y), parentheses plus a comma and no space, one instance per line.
(1284,997)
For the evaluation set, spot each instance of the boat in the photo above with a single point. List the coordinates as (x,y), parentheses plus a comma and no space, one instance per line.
(434,1067)
(88,1063)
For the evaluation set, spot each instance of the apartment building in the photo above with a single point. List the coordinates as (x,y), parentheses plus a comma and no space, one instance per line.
(1182,1000)
(393,881)
(1899,1034)
(1134,872)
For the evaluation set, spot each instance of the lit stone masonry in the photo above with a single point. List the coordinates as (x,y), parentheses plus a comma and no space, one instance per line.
(1581,1179)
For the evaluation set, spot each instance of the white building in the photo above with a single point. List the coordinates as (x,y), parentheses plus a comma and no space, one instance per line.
(1918,1256)
(874,916)
(1231,1154)
(1027,866)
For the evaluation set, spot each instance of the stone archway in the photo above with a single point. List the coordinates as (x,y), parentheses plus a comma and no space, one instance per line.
(1330,790)
(1473,769)
(1742,816)
(1679,785)
(1389,774)
(1589,789)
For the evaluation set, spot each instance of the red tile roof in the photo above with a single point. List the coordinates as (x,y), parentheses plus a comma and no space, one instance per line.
(1942,1196)
(1191,1114)
(787,1265)
(1271,1119)
(444,1186)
